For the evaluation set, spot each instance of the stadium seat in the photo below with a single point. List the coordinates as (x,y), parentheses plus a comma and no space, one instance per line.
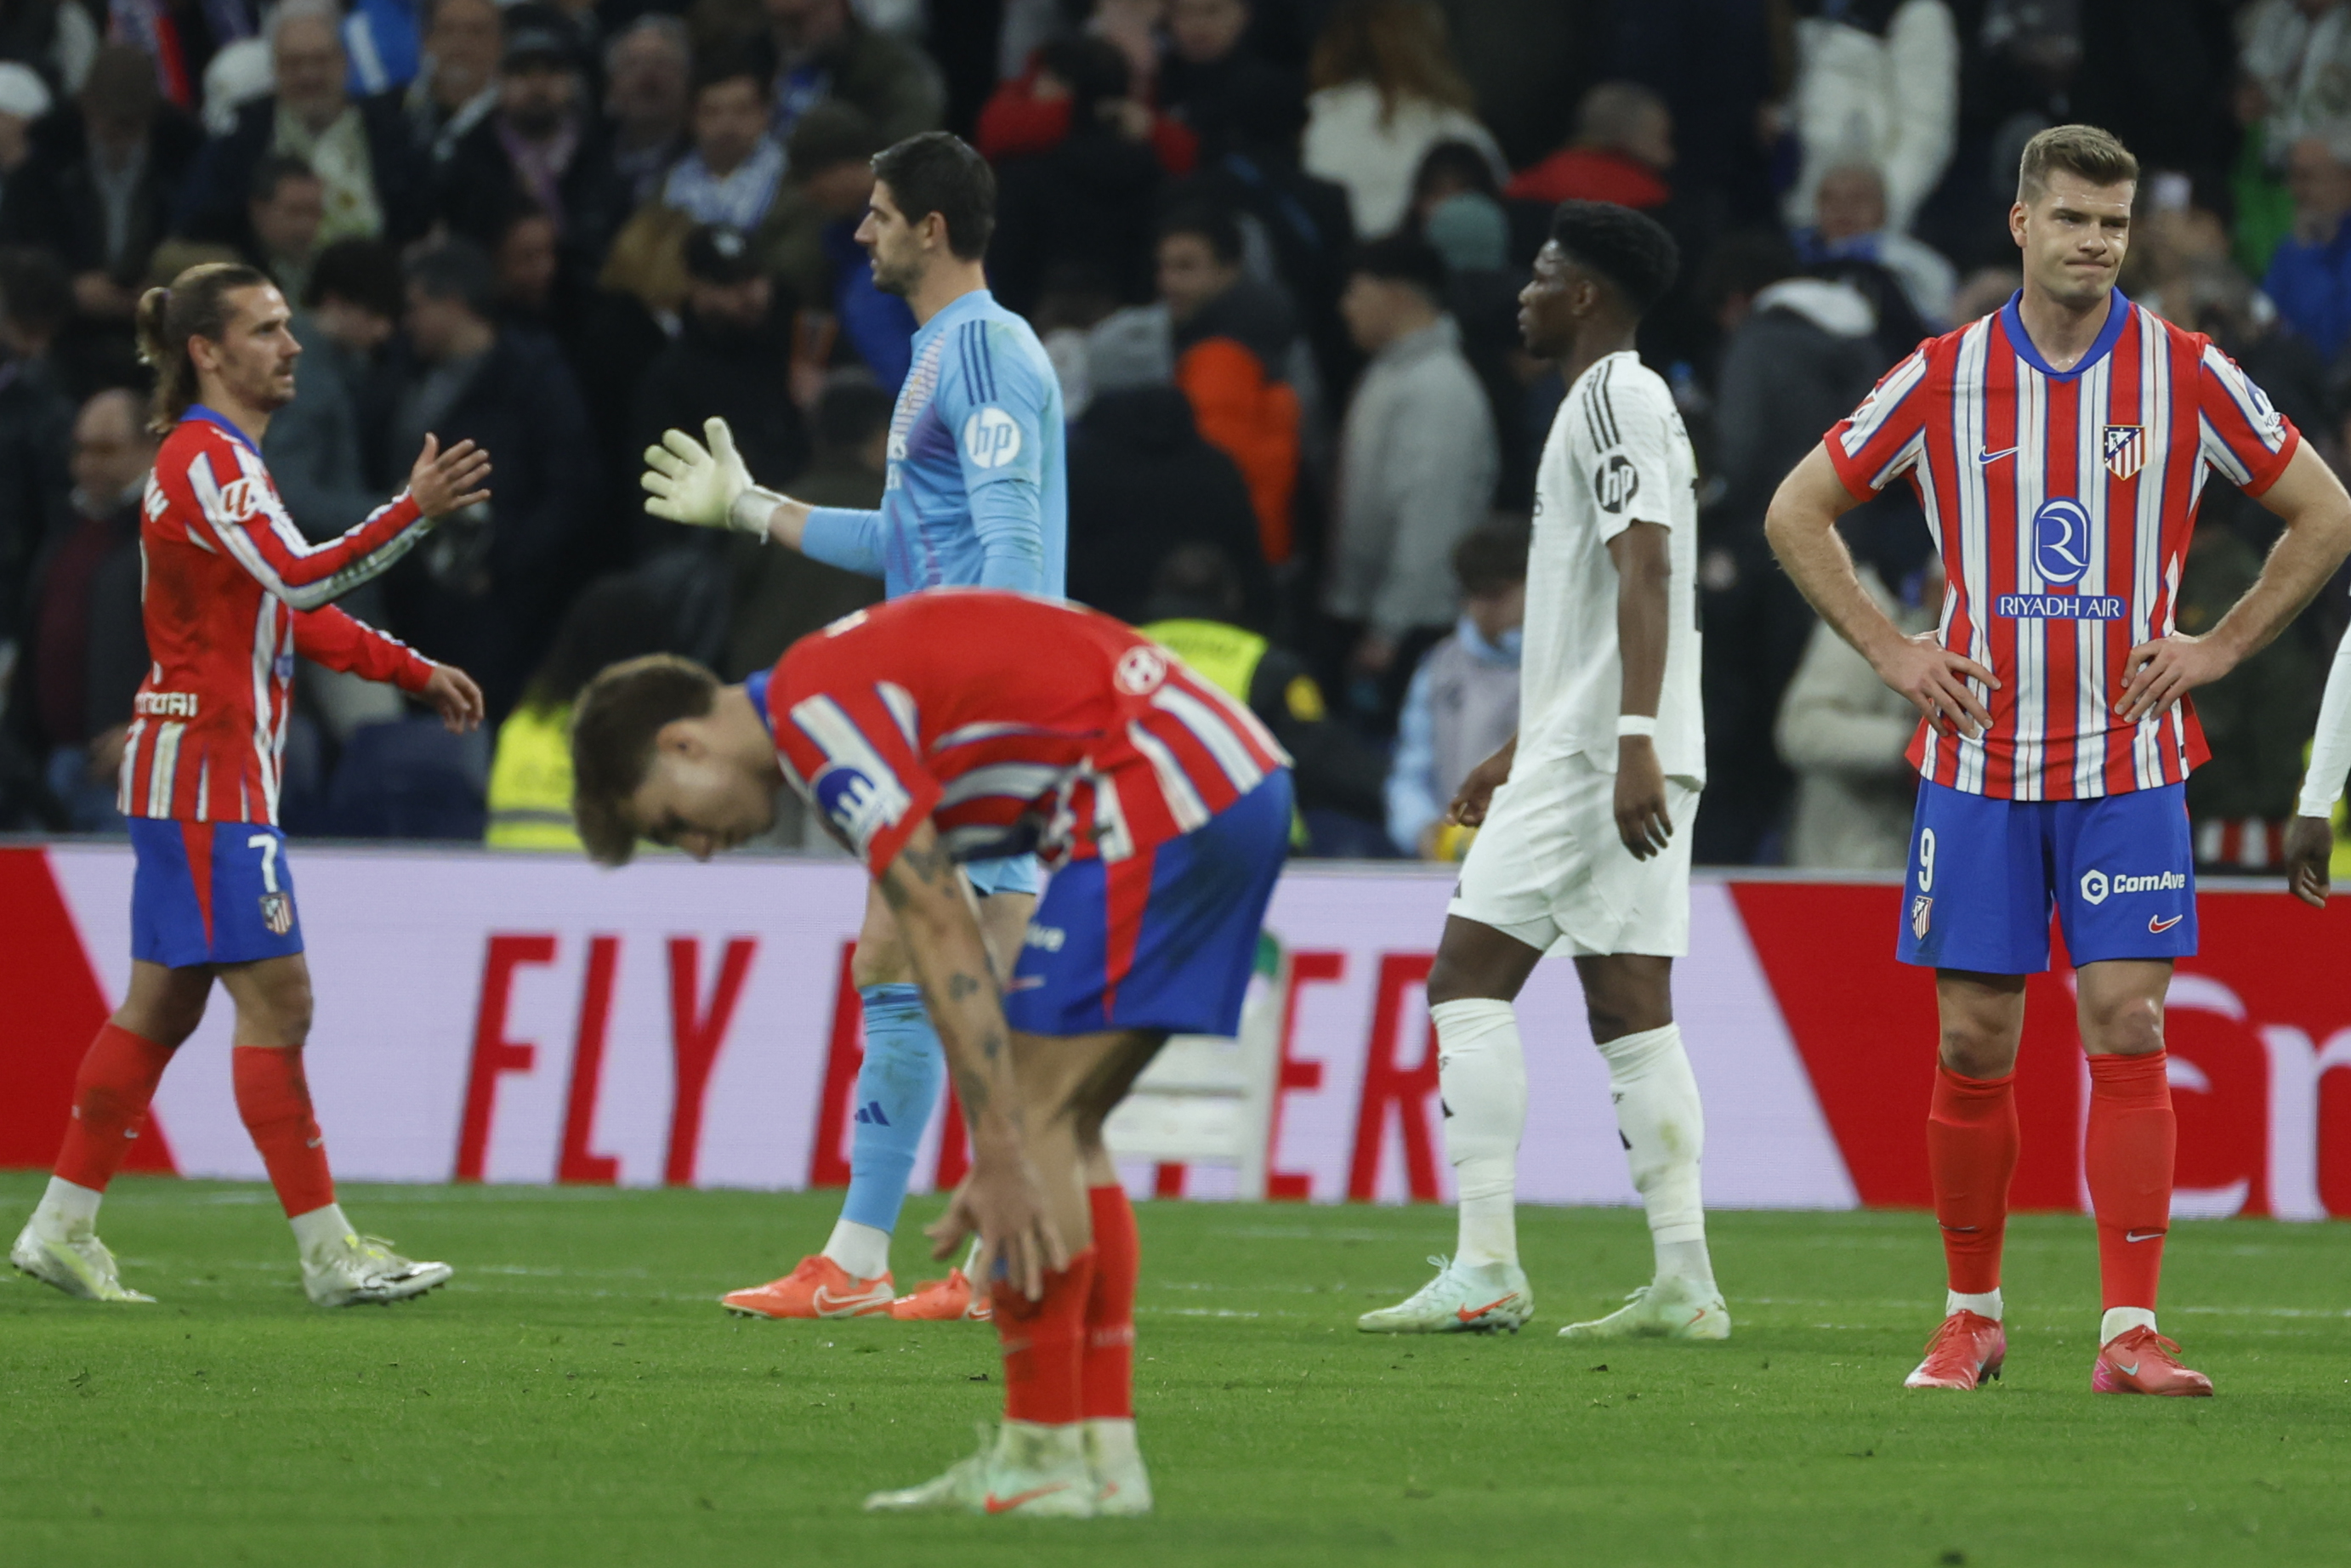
(410,779)
(1207,1101)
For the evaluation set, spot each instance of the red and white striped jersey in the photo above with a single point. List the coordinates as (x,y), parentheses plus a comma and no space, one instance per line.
(1012,723)
(230,592)
(2062,503)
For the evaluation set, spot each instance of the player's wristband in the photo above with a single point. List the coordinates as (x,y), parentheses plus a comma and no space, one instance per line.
(751,511)
(1641,723)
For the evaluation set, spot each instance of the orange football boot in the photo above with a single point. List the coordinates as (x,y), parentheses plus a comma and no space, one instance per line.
(2141,1360)
(1967,1349)
(943,1300)
(819,1287)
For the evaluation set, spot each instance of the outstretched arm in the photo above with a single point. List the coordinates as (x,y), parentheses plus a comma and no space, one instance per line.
(706,485)
(258,535)
(343,642)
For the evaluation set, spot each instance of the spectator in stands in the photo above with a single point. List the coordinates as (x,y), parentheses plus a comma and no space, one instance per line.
(1089,198)
(485,590)
(1843,733)
(809,244)
(1231,338)
(2310,276)
(25,100)
(648,67)
(99,187)
(315,446)
(1621,153)
(780,595)
(1418,463)
(724,363)
(35,483)
(1455,180)
(527,258)
(84,651)
(1034,113)
(2297,56)
(362,150)
(1849,223)
(1386,88)
(540,143)
(54,41)
(737,167)
(1879,82)
(283,211)
(355,301)
(1463,702)
(1212,82)
(1142,484)
(824,49)
(456,85)
(1196,610)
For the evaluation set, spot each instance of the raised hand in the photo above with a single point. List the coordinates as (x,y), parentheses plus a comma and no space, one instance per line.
(686,482)
(444,482)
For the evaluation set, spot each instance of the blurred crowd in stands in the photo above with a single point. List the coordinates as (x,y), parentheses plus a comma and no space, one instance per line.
(1273,247)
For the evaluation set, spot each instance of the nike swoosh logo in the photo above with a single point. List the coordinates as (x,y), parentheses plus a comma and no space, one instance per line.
(1695,1316)
(2157,928)
(1465,1315)
(1983,457)
(995,1504)
(2143,1235)
(825,1299)
(2130,1371)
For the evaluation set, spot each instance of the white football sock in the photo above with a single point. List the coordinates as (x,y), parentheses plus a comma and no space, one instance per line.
(322,1227)
(1984,1304)
(68,1209)
(1664,1129)
(1481,1077)
(861,1251)
(2120,1321)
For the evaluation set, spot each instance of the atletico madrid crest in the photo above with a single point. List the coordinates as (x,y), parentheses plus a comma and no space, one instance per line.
(1920,910)
(2125,450)
(278,912)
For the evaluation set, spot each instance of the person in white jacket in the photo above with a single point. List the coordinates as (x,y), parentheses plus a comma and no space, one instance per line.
(1877,80)
(1386,90)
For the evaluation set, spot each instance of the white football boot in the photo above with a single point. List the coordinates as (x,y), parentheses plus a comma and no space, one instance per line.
(1121,1483)
(1038,1471)
(356,1269)
(80,1266)
(1667,1309)
(1462,1298)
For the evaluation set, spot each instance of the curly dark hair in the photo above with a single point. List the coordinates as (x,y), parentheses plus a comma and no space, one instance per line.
(1629,249)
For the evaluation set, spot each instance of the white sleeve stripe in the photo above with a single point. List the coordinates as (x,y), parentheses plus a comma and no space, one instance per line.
(1183,802)
(2220,454)
(1210,728)
(1907,456)
(2240,388)
(1890,394)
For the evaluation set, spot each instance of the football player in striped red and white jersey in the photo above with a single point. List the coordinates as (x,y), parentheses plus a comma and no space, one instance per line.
(970,723)
(2060,446)
(232,591)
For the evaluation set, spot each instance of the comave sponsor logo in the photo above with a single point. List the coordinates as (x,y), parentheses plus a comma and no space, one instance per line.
(2097,886)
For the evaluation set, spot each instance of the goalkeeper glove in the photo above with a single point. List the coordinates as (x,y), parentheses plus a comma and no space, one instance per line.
(707,487)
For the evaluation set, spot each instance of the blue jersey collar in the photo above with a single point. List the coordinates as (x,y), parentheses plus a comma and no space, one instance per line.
(2011,322)
(755,686)
(955,309)
(214,416)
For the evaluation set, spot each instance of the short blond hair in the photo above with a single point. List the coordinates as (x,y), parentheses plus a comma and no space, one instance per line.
(2094,155)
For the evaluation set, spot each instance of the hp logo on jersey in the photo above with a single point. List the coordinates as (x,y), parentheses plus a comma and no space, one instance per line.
(991,438)
(1616,483)
(2061,541)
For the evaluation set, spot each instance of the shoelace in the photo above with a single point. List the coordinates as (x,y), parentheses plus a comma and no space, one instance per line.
(1444,1267)
(2164,1343)
(1948,1329)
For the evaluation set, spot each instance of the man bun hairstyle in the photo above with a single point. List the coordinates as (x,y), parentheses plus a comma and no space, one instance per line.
(1630,249)
(939,173)
(197,305)
(2086,151)
(614,724)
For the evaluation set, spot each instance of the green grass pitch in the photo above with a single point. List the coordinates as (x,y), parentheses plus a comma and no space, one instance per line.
(576,1397)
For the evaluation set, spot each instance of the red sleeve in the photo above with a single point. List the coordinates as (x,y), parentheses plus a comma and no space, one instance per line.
(2244,438)
(1882,439)
(343,642)
(234,504)
(1177,144)
(1015,121)
(853,761)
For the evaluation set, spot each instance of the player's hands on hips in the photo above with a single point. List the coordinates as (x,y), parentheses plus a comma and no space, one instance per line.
(1469,801)
(687,482)
(1641,819)
(1935,680)
(2160,673)
(2309,844)
(446,482)
(1002,1199)
(453,695)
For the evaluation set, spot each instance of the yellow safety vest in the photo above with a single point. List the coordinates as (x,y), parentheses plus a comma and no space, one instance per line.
(1229,657)
(530,782)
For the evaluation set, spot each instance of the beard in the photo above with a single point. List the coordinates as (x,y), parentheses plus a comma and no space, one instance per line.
(897,281)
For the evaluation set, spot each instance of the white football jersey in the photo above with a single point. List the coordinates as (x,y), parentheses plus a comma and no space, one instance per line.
(1617,456)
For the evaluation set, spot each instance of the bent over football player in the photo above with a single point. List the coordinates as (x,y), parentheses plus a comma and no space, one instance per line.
(971,723)
(2059,445)
(231,591)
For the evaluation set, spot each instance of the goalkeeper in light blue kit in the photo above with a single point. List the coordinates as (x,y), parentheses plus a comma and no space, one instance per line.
(977,497)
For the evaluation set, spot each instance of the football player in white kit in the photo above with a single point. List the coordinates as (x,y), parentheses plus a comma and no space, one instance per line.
(1585,843)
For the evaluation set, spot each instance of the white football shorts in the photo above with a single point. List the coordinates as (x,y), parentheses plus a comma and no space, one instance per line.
(1548,869)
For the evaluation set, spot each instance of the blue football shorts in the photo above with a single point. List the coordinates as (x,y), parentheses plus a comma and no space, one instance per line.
(211,893)
(1013,873)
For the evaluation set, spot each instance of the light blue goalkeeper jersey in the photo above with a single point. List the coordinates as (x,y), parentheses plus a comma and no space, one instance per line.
(978,484)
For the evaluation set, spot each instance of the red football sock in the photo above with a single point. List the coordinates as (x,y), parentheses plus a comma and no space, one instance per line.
(118,1078)
(1971,1141)
(273,1095)
(1108,1373)
(1044,1345)
(2133,1136)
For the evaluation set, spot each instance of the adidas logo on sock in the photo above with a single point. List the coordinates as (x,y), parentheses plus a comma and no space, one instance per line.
(871,1114)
